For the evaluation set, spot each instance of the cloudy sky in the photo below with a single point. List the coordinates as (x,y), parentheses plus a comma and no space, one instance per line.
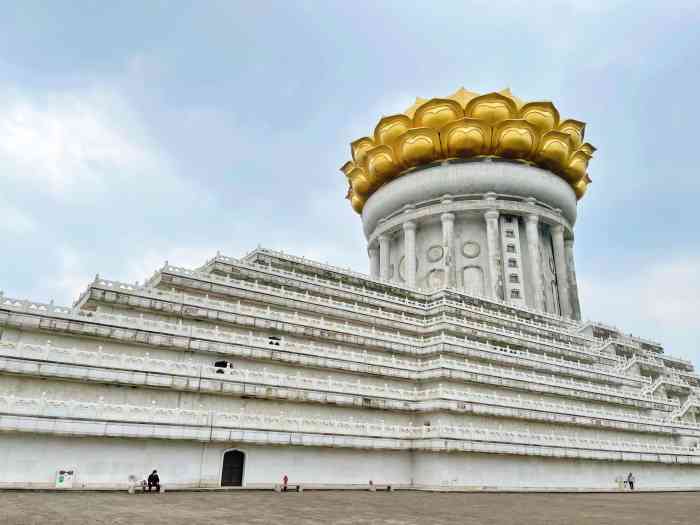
(137,132)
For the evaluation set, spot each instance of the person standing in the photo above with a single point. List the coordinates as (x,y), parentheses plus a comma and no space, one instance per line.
(630,481)
(285,480)
(154,481)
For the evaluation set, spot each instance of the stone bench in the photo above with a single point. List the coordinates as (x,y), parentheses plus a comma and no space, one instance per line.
(289,488)
(142,486)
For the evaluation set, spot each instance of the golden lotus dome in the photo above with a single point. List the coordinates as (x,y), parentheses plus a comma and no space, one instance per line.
(468,125)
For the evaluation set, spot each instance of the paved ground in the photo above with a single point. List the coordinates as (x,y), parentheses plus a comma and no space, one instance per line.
(398,508)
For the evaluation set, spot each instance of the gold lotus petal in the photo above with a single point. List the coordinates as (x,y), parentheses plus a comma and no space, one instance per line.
(491,108)
(515,138)
(554,150)
(463,96)
(357,202)
(411,110)
(466,137)
(588,148)
(543,115)
(507,93)
(576,129)
(580,187)
(359,180)
(347,167)
(576,169)
(492,124)
(417,146)
(388,128)
(436,113)
(381,165)
(359,149)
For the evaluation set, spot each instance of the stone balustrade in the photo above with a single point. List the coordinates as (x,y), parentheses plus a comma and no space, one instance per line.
(550,344)
(643,360)
(691,402)
(244,420)
(669,379)
(387,297)
(145,363)
(250,340)
(633,339)
(402,343)
(393,361)
(416,373)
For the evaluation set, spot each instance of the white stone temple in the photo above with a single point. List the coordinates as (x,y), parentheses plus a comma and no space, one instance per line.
(459,363)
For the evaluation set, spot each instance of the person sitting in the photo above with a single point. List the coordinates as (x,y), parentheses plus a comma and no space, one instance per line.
(154,481)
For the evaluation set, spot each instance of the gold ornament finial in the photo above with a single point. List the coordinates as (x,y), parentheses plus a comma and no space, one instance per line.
(463,125)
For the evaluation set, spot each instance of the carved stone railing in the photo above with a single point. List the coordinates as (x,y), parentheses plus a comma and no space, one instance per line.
(641,360)
(388,297)
(550,344)
(236,308)
(634,340)
(412,345)
(669,379)
(368,428)
(434,368)
(99,358)
(250,340)
(691,402)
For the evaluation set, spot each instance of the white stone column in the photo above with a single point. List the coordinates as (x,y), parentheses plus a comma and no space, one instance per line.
(560,267)
(533,250)
(384,257)
(409,244)
(493,242)
(573,285)
(448,223)
(373,252)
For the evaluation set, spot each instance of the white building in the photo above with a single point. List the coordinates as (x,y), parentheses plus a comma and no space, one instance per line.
(459,363)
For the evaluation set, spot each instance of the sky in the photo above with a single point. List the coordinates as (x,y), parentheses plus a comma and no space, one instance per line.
(132,133)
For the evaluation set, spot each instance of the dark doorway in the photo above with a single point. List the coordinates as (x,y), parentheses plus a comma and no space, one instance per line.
(232,471)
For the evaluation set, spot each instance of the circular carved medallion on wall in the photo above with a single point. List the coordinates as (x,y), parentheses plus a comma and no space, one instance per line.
(471,249)
(435,253)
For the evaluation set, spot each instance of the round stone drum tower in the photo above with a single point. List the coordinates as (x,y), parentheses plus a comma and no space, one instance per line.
(474,192)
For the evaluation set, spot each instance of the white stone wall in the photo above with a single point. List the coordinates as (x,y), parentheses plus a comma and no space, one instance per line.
(32,461)
(474,471)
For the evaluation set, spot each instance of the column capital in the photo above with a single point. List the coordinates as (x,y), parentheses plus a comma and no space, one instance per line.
(447,217)
(492,214)
(372,249)
(490,196)
(532,218)
(569,242)
(383,238)
(557,229)
(409,226)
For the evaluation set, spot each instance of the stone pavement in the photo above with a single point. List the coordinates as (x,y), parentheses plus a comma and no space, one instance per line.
(337,507)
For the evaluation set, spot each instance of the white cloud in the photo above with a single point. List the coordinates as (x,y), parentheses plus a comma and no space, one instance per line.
(660,302)
(72,142)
